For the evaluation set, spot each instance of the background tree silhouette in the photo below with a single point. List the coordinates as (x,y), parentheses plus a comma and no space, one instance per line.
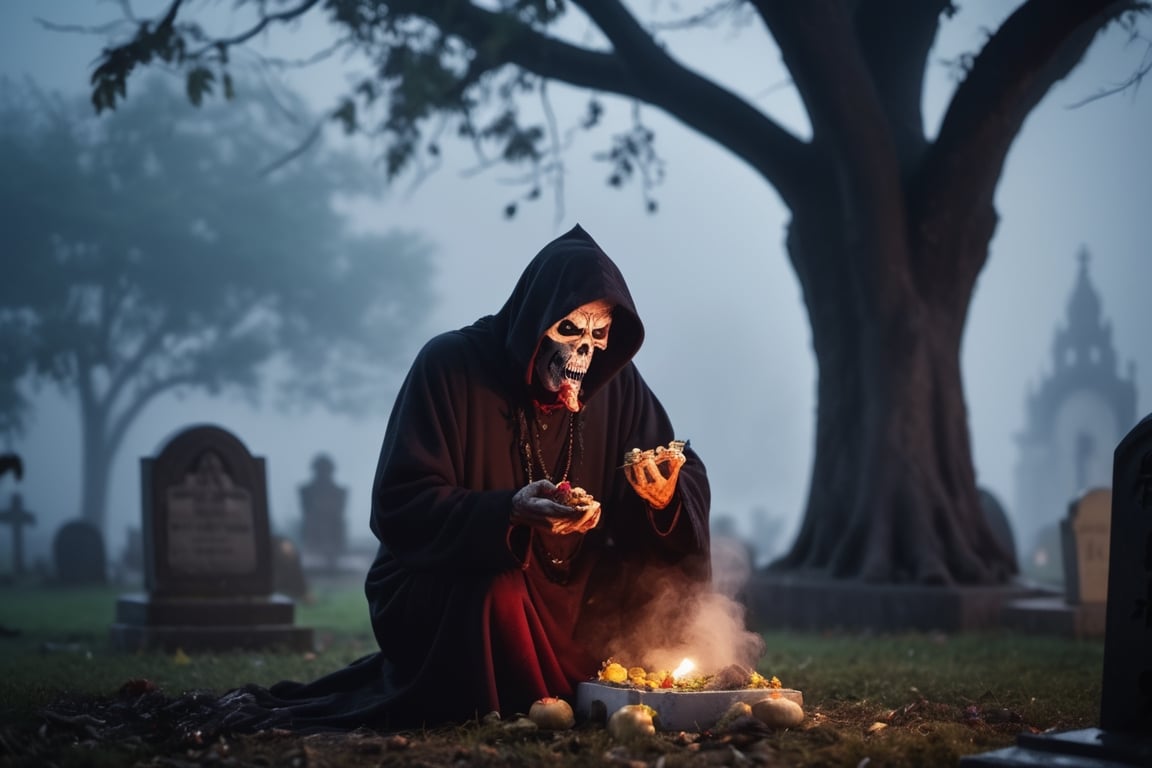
(148,256)
(890,227)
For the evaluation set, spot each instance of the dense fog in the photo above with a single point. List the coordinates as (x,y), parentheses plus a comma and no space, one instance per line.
(728,343)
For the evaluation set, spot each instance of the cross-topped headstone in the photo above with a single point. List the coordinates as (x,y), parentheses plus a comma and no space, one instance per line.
(17,517)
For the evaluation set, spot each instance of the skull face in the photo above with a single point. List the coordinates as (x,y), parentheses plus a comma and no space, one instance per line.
(566,349)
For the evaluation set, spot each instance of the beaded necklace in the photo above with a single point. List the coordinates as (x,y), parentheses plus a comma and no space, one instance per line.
(533,455)
(554,567)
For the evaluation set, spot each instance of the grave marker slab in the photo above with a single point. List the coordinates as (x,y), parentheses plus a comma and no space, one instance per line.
(1078,610)
(1126,691)
(1086,532)
(1124,737)
(323,530)
(81,560)
(207,553)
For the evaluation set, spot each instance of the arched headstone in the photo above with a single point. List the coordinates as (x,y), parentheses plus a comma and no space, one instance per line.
(79,554)
(207,553)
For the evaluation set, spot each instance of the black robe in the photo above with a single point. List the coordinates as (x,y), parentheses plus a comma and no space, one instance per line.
(470,611)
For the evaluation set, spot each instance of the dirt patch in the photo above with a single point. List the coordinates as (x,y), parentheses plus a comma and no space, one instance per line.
(144,727)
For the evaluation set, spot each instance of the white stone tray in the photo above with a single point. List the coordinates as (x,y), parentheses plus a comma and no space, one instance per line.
(675,710)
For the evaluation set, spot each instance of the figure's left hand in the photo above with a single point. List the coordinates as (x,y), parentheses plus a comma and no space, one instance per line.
(646,473)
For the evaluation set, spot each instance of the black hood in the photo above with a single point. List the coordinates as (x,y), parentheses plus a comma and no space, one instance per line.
(569,272)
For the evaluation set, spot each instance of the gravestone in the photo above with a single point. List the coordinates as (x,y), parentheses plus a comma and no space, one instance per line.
(207,553)
(132,556)
(11,462)
(1124,737)
(1085,536)
(78,550)
(998,521)
(1126,695)
(287,570)
(17,517)
(1079,609)
(323,531)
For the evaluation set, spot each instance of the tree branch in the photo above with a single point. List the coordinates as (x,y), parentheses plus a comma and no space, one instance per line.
(639,69)
(850,130)
(896,38)
(120,422)
(260,25)
(129,368)
(1039,44)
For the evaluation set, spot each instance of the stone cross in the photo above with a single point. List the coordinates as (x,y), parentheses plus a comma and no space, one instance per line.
(17,517)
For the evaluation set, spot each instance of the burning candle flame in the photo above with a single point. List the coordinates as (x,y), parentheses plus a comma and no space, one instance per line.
(685,667)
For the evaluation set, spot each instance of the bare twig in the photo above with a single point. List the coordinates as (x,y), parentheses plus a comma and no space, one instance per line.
(254,30)
(300,149)
(1132,82)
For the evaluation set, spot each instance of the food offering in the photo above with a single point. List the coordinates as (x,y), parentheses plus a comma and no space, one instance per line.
(571,495)
(685,699)
(660,454)
(684,678)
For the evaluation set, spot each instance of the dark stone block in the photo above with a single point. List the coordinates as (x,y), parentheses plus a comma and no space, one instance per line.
(782,601)
(1053,615)
(132,638)
(78,550)
(1087,748)
(143,609)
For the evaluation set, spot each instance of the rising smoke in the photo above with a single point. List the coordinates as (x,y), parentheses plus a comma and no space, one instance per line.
(703,623)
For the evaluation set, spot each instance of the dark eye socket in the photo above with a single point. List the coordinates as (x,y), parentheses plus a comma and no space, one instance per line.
(567,328)
(600,333)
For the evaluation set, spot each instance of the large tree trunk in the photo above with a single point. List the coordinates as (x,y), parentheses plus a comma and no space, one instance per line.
(96,461)
(893,494)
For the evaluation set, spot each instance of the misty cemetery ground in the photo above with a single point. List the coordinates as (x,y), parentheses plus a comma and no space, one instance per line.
(908,699)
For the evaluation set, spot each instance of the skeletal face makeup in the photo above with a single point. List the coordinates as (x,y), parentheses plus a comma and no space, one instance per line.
(566,350)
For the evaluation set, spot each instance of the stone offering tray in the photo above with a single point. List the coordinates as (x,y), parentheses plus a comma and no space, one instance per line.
(676,710)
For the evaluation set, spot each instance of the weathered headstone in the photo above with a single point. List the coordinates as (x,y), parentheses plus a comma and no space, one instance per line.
(132,556)
(998,521)
(11,462)
(79,553)
(1124,737)
(17,517)
(323,531)
(207,553)
(1085,534)
(287,570)
(1076,610)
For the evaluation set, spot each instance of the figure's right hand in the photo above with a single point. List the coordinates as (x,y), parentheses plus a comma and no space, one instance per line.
(533,505)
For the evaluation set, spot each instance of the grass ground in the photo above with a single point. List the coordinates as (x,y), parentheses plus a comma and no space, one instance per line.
(870,700)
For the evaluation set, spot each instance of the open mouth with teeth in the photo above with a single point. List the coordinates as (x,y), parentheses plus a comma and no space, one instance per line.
(570,375)
(568,379)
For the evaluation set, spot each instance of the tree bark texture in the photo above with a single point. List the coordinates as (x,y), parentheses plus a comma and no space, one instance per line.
(887,239)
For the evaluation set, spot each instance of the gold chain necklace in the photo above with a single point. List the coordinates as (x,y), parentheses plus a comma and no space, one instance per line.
(554,567)
(530,461)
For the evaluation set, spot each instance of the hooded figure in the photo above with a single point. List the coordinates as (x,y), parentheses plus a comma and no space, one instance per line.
(484,596)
